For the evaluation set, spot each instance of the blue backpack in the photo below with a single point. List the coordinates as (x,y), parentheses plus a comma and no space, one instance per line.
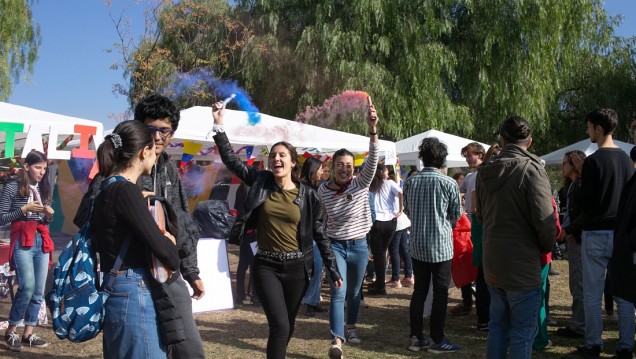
(76,304)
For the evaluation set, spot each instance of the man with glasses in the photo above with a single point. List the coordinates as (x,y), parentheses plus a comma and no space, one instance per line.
(162,116)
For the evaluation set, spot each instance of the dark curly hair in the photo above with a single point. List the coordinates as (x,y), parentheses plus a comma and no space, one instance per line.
(433,153)
(156,107)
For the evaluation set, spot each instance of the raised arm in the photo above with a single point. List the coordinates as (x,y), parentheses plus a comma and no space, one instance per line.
(229,158)
(366,176)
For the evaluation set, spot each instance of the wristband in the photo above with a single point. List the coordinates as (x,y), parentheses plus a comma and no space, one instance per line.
(373,133)
(217,128)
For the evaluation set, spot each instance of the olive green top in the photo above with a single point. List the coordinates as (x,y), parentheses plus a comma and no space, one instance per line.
(278,221)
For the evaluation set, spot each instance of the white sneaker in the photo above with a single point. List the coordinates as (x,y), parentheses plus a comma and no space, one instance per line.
(335,351)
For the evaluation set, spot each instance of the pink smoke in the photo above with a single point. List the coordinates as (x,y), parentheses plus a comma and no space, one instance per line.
(339,106)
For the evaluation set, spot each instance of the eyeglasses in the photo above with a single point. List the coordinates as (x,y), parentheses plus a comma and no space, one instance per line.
(164,132)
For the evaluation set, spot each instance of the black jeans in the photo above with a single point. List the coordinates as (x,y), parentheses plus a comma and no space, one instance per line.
(280,286)
(440,274)
(482,302)
(192,347)
(381,235)
(246,258)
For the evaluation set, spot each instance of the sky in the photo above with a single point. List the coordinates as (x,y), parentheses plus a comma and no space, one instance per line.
(73,74)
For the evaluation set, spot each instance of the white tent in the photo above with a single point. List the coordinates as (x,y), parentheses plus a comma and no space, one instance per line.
(408,148)
(32,124)
(556,158)
(196,123)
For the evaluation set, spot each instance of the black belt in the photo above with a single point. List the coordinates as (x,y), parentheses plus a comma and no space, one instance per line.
(281,256)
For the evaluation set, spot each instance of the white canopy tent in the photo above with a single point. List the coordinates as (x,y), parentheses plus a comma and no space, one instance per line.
(34,124)
(556,158)
(196,123)
(408,148)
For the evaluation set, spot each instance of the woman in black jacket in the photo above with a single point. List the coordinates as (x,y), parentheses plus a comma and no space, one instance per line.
(287,217)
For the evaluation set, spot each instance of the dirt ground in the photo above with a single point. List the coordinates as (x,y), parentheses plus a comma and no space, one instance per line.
(383,327)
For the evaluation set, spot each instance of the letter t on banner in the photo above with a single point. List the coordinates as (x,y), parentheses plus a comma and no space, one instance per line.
(10,129)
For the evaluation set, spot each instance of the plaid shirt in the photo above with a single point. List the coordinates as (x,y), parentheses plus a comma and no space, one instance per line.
(432,202)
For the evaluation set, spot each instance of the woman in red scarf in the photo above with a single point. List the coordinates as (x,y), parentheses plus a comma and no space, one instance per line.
(25,204)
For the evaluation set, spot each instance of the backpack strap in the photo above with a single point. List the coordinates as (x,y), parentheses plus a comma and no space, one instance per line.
(118,262)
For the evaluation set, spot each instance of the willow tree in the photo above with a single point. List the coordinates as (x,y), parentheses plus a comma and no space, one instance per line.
(19,43)
(459,66)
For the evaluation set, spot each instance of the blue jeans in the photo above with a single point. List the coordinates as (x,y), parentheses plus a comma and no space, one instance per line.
(130,324)
(312,297)
(626,325)
(399,246)
(351,258)
(596,251)
(31,267)
(513,323)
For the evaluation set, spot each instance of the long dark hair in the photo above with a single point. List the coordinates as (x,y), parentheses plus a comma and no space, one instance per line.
(295,172)
(310,167)
(569,155)
(378,179)
(23,177)
(119,148)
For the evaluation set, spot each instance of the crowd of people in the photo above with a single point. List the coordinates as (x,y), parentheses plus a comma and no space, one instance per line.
(490,232)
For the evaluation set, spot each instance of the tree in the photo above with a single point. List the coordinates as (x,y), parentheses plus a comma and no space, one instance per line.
(19,43)
(180,37)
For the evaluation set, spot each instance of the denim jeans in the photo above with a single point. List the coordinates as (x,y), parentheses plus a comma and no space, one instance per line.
(626,325)
(32,267)
(596,251)
(577,323)
(130,324)
(280,286)
(312,297)
(351,258)
(380,237)
(513,323)
(399,246)
(191,347)
(439,274)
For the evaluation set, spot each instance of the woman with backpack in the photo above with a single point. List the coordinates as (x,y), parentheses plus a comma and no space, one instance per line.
(25,204)
(121,214)
(287,217)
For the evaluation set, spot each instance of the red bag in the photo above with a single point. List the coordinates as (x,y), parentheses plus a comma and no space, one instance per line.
(463,271)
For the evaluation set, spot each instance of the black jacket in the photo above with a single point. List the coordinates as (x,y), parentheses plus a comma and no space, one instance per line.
(165,182)
(623,263)
(262,184)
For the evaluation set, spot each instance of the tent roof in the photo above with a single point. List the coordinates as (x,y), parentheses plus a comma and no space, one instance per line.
(196,122)
(30,116)
(555,158)
(408,148)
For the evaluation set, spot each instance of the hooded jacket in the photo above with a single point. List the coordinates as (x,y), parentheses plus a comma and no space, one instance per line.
(514,201)
(262,184)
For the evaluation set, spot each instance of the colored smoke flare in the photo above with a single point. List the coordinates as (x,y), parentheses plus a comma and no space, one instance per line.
(335,108)
(227,100)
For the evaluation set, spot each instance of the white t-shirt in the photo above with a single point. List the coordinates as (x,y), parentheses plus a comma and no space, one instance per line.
(386,201)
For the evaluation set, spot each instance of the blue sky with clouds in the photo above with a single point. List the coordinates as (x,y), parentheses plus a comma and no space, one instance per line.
(73,74)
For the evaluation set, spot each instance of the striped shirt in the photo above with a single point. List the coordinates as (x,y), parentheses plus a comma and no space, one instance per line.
(10,203)
(432,201)
(348,213)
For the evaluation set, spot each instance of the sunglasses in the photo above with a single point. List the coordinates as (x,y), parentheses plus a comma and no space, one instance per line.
(164,132)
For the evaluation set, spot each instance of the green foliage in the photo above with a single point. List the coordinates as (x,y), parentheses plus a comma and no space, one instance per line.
(19,43)
(460,66)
